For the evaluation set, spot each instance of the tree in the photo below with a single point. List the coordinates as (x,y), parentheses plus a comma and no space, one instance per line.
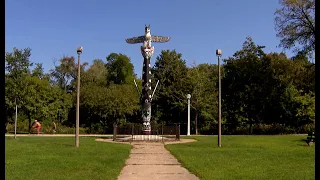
(65,74)
(173,87)
(17,65)
(44,102)
(108,105)
(95,75)
(244,85)
(204,93)
(120,69)
(289,91)
(267,88)
(295,24)
(305,73)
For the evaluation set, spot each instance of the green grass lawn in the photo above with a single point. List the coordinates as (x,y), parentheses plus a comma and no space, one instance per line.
(47,158)
(248,157)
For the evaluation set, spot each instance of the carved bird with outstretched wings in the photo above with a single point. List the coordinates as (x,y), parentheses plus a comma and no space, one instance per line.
(159,39)
(141,39)
(135,40)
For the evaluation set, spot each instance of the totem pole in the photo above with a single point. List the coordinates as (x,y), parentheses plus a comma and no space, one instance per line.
(147,52)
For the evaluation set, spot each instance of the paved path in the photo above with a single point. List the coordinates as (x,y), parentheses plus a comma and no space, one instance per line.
(150,160)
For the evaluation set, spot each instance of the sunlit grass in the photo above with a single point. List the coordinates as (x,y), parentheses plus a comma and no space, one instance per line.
(248,157)
(58,158)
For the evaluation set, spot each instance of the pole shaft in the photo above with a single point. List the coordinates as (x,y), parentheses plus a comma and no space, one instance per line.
(188,117)
(219,108)
(78,104)
(15,121)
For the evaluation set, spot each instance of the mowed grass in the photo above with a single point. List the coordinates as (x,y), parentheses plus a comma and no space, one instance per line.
(247,157)
(47,158)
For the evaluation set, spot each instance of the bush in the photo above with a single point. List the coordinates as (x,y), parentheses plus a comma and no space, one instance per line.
(23,129)
(258,129)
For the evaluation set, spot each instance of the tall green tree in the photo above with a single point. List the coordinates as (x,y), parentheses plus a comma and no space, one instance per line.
(108,105)
(243,86)
(174,85)
(267,88)
(17,65)
(44,102)
(120,69)
(96,74)
(305,73)
(65,73)
(288,94)
(203,101)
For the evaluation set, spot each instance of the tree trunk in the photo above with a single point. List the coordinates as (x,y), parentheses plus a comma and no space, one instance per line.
(196,122)
(90,117)
(90,124)
(251,127)
(6,130)
(29,118)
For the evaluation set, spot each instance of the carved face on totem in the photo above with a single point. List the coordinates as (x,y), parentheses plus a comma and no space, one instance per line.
(147,29)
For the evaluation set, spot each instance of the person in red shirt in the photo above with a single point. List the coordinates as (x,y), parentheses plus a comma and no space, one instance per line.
(37,125)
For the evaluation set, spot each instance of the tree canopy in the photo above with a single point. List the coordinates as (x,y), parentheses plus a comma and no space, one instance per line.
(295,25)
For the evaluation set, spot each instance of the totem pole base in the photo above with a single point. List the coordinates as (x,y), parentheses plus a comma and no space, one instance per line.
(146,132)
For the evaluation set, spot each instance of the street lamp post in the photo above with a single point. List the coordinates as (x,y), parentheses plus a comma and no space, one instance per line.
(15,120)
(79,51)
(188,97)
(219,53)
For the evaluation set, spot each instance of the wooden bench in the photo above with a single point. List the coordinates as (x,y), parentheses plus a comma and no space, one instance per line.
(311,138)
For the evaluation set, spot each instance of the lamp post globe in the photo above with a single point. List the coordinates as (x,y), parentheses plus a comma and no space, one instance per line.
(79,50)
(218,52)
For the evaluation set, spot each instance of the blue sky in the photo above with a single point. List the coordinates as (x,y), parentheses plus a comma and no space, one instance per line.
(56,28)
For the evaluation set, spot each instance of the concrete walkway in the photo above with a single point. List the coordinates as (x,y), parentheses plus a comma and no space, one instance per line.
(150,160)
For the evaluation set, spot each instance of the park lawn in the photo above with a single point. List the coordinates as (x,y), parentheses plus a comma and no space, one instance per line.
(47,158)
(247,157)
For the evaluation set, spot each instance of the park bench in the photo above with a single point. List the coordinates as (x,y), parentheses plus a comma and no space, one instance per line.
(311,137)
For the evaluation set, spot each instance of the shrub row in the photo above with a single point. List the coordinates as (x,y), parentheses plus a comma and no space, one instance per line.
(258,129)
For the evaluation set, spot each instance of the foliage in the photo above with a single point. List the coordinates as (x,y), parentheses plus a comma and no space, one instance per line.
(243,85)
(120,69)
(203,93)
(95,75)
(64,75)
(110,104)
(17,67)
(262,93)
(295,24)
(256,83)
(173,86)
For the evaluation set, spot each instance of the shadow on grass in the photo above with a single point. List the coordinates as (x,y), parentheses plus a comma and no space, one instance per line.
(303,140)
(304,145)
